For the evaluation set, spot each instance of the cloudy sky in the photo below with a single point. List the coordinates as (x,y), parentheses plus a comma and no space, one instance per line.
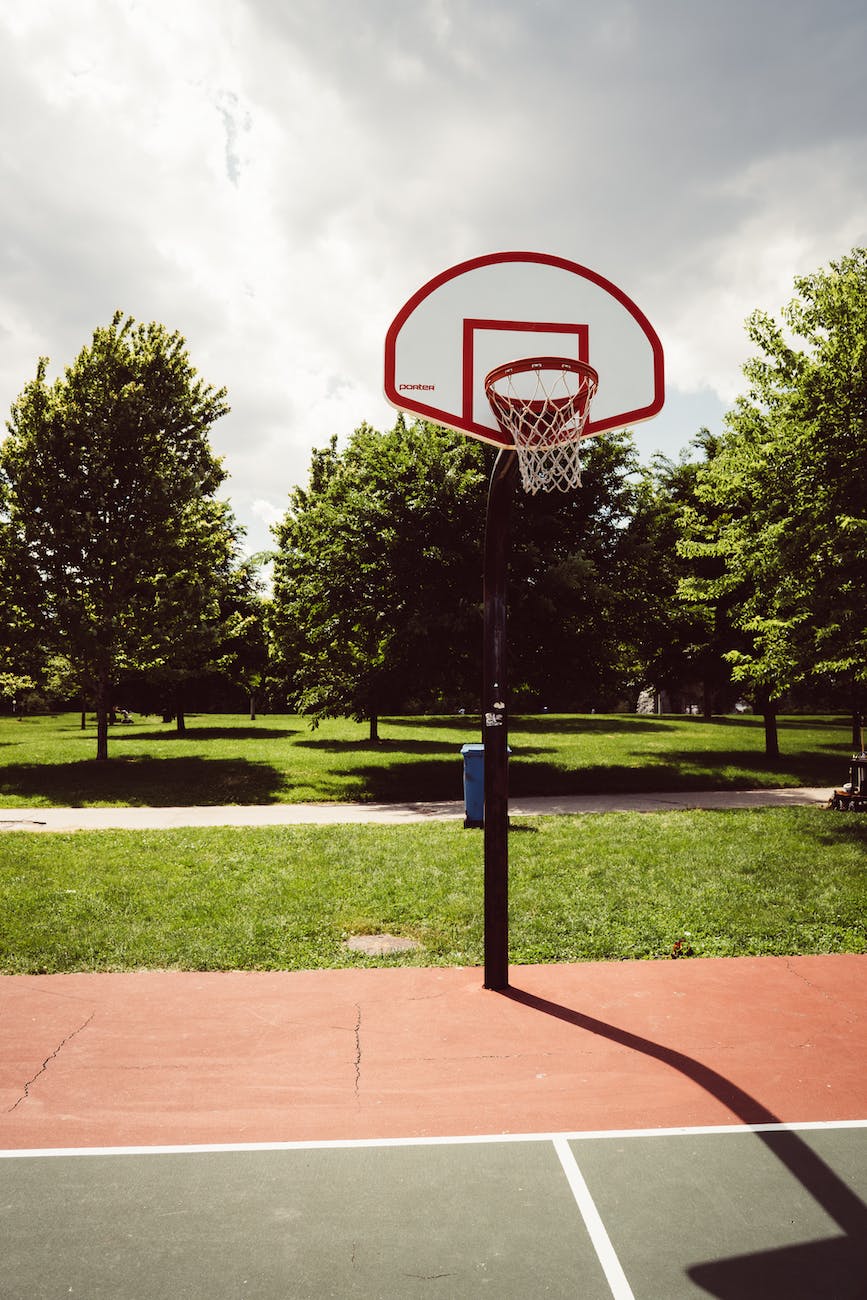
(275,178)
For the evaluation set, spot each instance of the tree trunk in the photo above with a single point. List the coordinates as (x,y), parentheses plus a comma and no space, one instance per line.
(706,701)
(374,726)
(769,715)
(102,710)
(857,731)
(252,707)
(180,716)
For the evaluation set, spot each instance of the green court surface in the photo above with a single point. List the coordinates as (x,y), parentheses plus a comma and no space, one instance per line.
(733,1212)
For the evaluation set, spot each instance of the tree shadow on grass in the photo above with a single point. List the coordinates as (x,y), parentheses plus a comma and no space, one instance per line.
(169,732)
(434,722)
(380,746)
(540,723)
(143,782)
(439,775)
(844,828)
(583,724)
(816,767)
(691,771)
(403,782)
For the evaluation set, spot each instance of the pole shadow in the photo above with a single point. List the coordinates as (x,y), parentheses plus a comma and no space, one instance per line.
(836,1268)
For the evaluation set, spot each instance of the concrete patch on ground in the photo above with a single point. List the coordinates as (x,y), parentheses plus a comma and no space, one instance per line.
(380,945)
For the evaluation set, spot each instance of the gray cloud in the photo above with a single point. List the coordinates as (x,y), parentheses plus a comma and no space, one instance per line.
(275,180)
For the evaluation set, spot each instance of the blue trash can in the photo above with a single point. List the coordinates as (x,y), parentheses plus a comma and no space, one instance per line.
(474,785)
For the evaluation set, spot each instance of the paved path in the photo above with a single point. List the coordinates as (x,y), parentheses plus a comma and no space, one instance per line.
(71,819)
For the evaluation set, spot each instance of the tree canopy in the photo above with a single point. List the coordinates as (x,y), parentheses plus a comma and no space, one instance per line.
(22,656)
(783,503)
(376,580)
(575,592)
(680,640)
(108,479)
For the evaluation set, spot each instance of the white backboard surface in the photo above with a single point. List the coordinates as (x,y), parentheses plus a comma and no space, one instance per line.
(506,306)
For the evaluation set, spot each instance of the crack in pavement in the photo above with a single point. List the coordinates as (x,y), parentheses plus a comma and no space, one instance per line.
(823,993)
(45,1064)
(848,1017)
(358,1051)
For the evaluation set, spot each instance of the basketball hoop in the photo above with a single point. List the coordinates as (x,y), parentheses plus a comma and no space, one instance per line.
(444,355)
(542,404)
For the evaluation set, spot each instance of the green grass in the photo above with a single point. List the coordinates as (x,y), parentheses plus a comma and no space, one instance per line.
(595,887)
(48,761)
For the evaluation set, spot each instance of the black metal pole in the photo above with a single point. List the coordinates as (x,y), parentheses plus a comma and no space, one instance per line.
(495,722)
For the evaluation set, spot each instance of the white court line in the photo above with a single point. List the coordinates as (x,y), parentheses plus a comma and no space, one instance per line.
(611,1266)
(348,1144)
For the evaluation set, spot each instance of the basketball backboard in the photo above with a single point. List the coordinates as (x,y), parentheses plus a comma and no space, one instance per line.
(505,306)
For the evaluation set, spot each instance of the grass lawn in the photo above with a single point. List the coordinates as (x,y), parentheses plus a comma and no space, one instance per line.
(48,761)
(594,887)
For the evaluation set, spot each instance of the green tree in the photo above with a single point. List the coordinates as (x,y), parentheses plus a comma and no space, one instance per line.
(198,600)
(783,504)
(22,656)
(575,596)
(243,655)
(377,578)
(681,641)
(109,474)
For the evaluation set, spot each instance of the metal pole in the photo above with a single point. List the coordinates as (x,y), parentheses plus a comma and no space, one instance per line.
(495,722)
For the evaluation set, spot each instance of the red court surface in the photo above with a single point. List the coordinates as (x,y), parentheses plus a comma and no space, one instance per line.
(167,1058)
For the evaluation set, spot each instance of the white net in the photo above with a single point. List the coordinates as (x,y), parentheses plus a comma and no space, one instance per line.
(542,403)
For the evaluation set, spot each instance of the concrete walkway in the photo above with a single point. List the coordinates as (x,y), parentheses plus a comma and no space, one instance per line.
(73,819)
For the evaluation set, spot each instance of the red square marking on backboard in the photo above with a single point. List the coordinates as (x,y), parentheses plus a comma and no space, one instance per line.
(581,335)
